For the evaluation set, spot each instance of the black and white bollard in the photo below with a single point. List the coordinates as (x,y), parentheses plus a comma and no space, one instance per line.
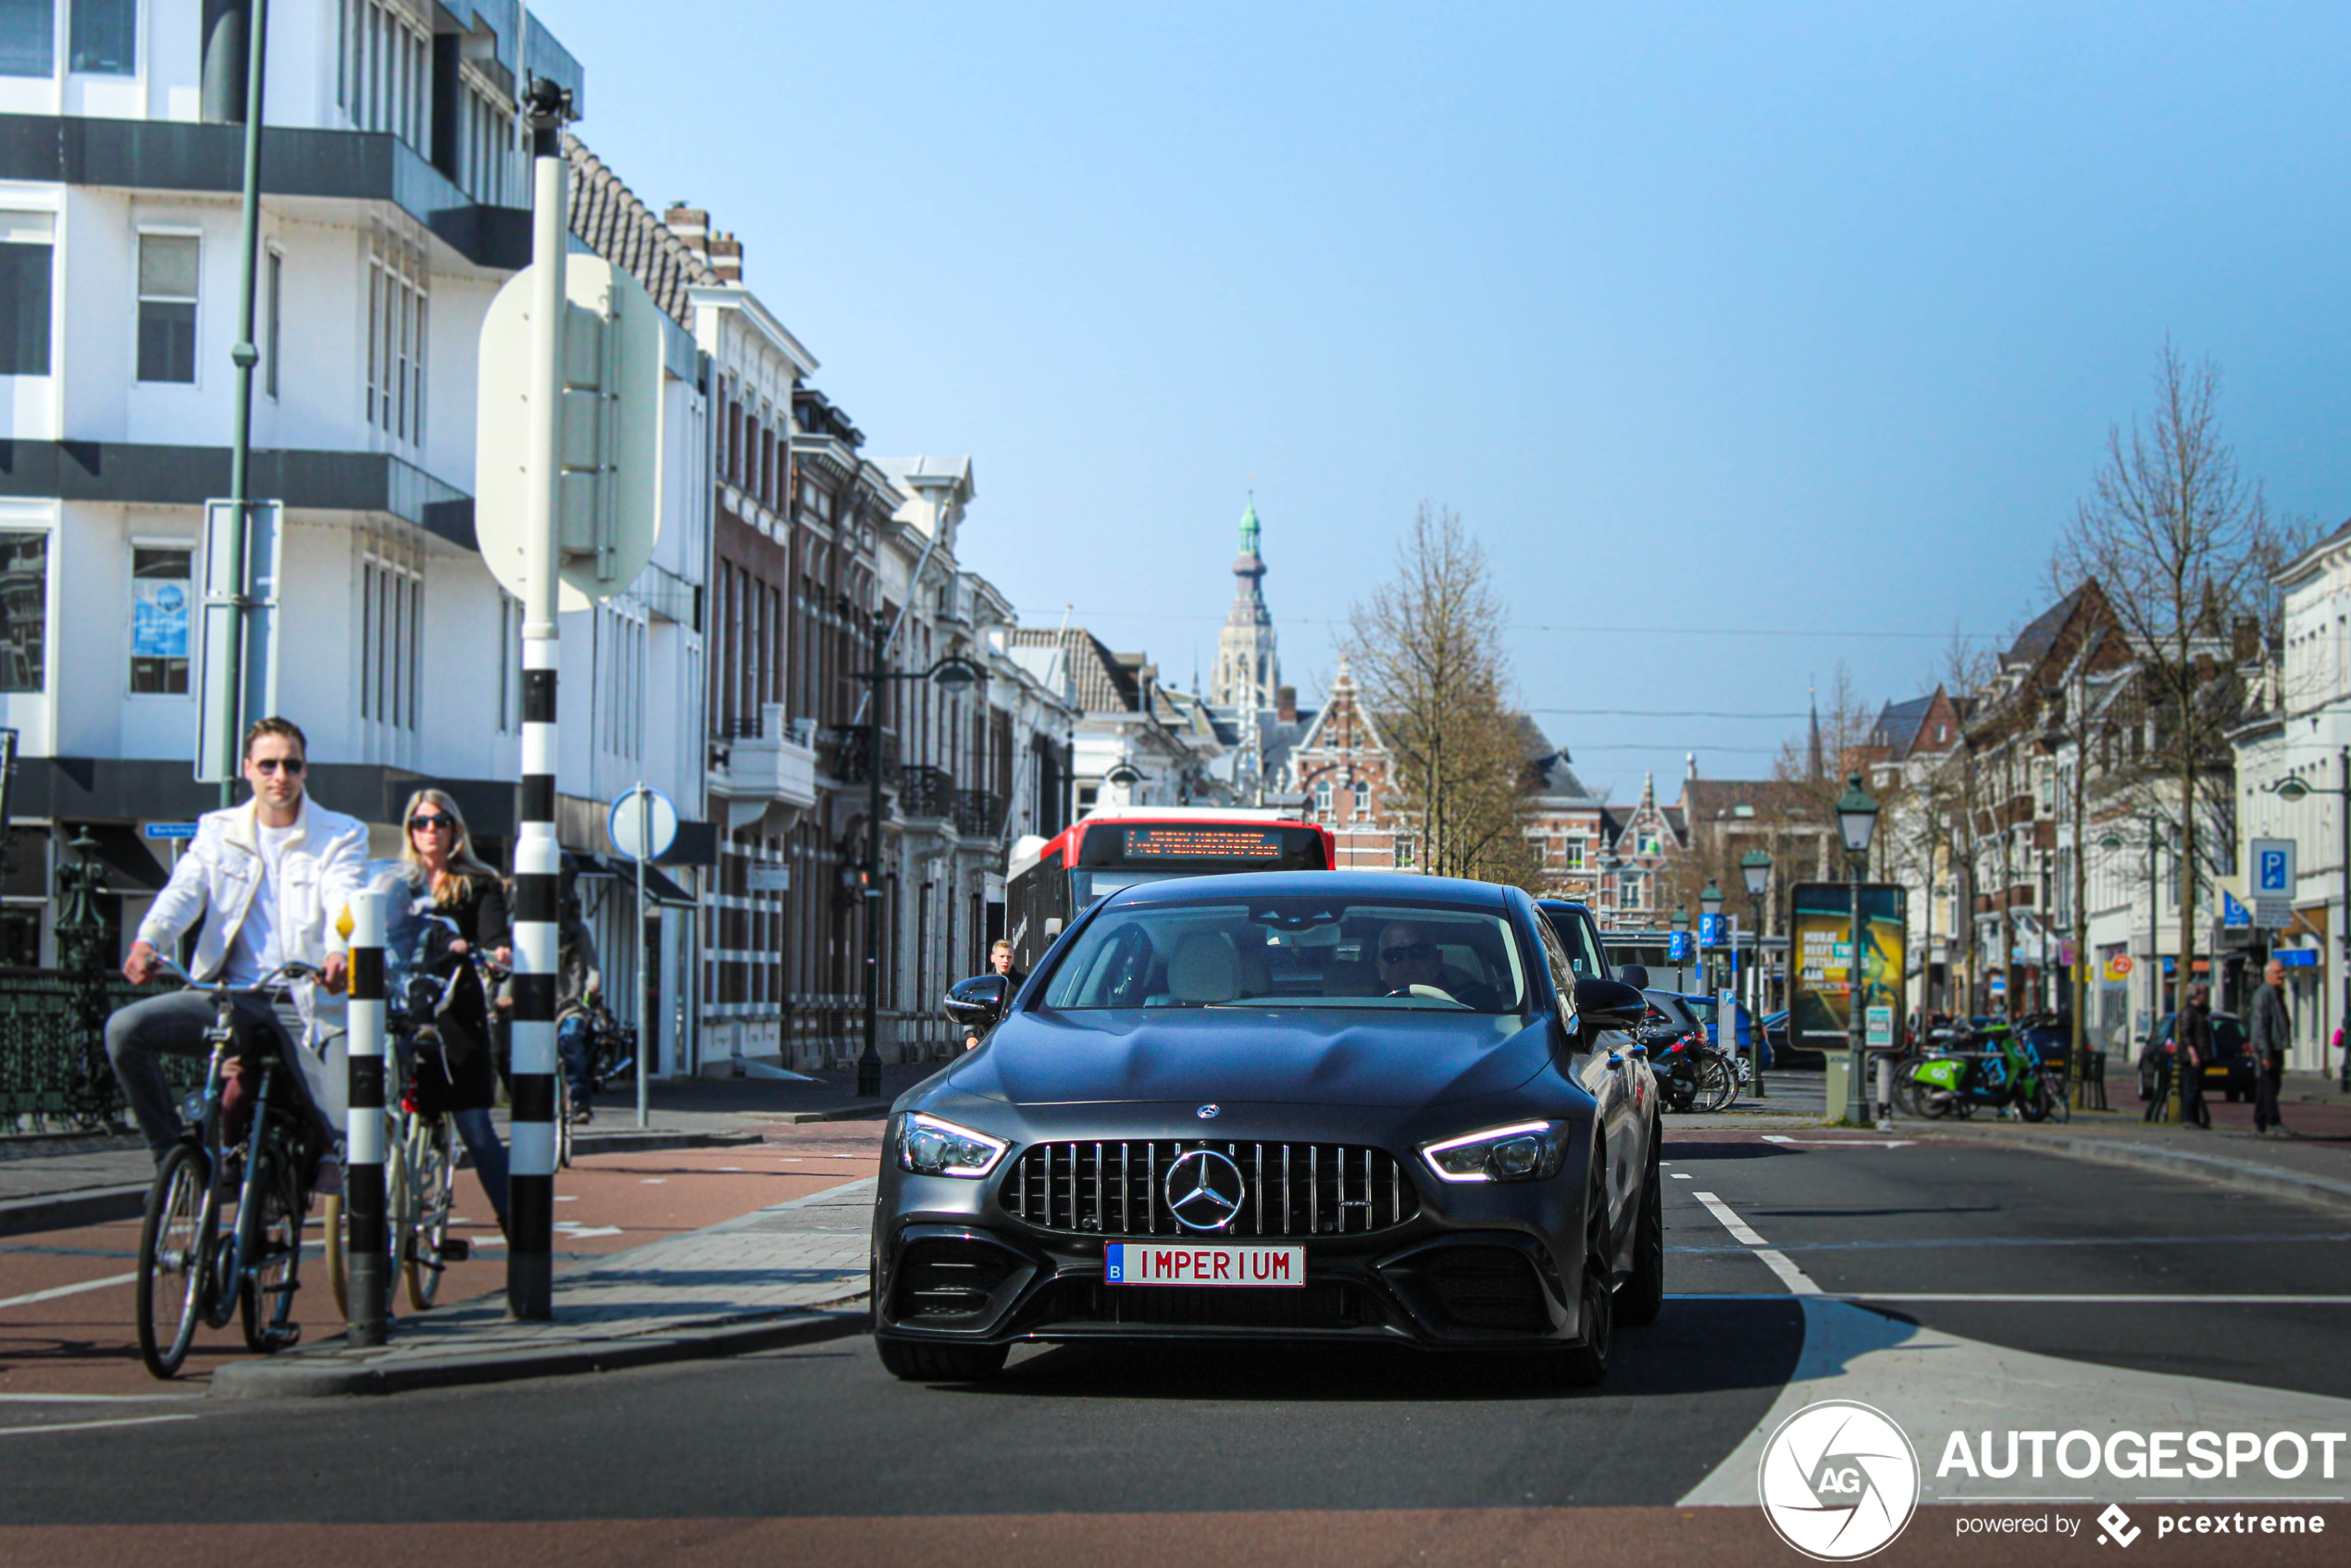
(369,1250)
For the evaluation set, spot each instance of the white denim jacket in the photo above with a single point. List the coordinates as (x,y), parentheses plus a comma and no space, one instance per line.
(323,866)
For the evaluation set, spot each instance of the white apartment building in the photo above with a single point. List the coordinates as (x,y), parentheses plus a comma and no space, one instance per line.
(394,186)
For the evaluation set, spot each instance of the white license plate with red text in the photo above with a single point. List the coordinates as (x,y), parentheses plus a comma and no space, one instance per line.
(1160,1263)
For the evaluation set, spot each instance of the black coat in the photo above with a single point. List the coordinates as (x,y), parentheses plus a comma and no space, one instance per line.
(463,1076)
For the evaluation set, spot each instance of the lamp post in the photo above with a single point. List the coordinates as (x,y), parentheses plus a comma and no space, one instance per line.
(1680,926)
(2173,1111)
(1856,820)
(951,674)
(1756,866)
(2291,788)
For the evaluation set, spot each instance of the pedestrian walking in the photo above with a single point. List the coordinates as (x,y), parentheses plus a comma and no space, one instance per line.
(999,962)
(2194,1033)
(268,879)
(2270,1028)
(2156,1058)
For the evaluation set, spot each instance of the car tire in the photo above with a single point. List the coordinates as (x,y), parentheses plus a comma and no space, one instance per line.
(942,1363)
(1642,1296)
(1583,1365)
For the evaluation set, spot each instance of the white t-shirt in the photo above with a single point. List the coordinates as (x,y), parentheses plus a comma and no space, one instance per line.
(258,948)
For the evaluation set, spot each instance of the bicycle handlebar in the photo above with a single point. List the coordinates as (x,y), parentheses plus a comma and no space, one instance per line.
(292,970)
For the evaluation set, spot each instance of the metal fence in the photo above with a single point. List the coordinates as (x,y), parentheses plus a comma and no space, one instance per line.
(54,1076)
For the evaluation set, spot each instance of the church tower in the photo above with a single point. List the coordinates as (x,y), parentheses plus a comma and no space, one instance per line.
(1247,670)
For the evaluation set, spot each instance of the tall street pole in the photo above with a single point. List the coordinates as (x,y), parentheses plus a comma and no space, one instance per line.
(869,1064)
(245,356)
(2343,926)
(1855,1003)
(538,855)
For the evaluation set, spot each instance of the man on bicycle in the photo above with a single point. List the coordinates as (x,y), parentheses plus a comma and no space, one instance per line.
(268,879)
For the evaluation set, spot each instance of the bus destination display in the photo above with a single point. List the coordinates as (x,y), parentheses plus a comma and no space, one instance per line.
(1204,842)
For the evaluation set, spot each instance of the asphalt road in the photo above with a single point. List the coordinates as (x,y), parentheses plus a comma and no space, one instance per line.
(2016,1250)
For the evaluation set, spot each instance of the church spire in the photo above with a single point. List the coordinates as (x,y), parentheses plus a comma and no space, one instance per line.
(1248,670)
(1818,765)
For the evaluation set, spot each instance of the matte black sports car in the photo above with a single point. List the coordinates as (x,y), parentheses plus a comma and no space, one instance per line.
(1304,1105)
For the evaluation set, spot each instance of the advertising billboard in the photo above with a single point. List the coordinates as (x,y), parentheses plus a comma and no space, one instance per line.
(1821,937)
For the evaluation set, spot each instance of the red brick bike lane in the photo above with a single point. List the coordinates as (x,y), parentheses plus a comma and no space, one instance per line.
(67,1296)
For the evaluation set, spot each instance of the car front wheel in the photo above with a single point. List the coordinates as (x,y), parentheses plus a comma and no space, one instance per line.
(1583,1366)
(1643,1296)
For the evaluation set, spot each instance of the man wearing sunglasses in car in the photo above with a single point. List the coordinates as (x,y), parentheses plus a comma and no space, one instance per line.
(267,878)
(1411,965)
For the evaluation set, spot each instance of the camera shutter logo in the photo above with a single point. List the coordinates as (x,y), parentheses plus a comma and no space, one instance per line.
(1838,1480)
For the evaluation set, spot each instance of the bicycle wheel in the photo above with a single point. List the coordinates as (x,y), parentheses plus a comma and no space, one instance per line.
(432,1175)
(266,1286)
(175,1253)
(1717,1085)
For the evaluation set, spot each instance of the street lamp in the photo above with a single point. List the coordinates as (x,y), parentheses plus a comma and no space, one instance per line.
(1756,866)
(2291,788)
(951,674)
(2174,1111)
(1856,820)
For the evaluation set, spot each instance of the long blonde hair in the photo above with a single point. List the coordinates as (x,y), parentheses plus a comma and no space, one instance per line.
(464,864)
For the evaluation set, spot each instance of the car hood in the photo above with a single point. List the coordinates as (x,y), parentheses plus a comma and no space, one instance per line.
(1279,1056)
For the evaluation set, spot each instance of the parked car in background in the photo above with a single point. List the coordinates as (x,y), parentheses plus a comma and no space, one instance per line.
(2231,1070)
(1779,1055)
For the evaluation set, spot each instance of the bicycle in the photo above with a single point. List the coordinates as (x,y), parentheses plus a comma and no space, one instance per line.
(189,1272)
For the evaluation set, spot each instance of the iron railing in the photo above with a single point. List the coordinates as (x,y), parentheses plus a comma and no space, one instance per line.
(54,1074)
(844,751)
(925,792)
(978,813)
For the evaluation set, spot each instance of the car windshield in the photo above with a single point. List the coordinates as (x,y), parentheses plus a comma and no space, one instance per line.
(1294,950)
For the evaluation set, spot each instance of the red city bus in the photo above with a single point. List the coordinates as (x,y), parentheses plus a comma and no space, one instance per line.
(1050,881)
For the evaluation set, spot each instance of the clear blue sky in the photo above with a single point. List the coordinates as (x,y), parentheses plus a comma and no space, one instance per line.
(1793,317)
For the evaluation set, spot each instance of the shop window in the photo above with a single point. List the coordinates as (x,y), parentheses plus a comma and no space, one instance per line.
(160,592)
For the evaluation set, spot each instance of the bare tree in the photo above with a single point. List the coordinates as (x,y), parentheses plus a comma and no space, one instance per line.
(1426,648)
(2183,547)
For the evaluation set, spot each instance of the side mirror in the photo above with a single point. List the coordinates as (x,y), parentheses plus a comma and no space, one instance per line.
(976,1004)
(1609,1004)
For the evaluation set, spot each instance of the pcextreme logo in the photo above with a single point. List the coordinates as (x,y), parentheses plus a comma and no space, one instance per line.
(1838,1480)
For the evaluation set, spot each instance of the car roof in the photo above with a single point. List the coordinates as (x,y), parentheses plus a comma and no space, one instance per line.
(1383,886)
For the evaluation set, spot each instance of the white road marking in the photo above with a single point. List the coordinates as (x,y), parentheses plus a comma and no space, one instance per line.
(1799,1283)
(91,1399)
(1681,1175)
(653,1181)
(106,1284)
(579,1232)
(91,1425)
(1841,1142)
(2100,1300)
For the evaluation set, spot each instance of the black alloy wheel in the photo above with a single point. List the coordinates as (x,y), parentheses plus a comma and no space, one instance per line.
(1642,1296)
(1585,1364)
(942,1363)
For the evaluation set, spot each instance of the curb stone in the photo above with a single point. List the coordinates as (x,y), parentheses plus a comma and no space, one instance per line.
(329,1376)
(63,1211)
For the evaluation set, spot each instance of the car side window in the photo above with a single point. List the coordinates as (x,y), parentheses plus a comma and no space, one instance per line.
(1555,954)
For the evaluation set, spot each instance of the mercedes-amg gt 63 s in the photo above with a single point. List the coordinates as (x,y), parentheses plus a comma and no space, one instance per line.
(1301,1105)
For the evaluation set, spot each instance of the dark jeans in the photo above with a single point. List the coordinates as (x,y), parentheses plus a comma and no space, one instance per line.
(2264,1095)
(2192,1111)
(175,1026)
(571,1044)
(2156,1107)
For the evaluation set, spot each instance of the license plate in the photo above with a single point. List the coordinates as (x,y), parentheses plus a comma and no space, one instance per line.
(2215,1072)
(1137,1263)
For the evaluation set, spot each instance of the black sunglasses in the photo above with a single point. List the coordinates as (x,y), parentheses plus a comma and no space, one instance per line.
(292,765)
(431,819)
(1403,950)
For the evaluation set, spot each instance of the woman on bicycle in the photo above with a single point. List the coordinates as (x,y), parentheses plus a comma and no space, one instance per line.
(467,893)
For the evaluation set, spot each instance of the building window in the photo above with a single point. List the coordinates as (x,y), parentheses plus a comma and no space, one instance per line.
(168,307)
(391,616)
(1571,852)
(1629,885)
(103,38)
(1363,808)
(487,155)
(1404,849)
(24,611)
(24,293)
(160,587)
(273,301)
(396,337)
(28,37)
(386,81)
(1323,799)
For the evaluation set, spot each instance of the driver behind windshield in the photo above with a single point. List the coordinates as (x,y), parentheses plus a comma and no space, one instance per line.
(1408,958)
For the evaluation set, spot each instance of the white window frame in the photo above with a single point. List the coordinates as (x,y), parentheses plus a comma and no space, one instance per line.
(138,298)
(196,571)
(397,331)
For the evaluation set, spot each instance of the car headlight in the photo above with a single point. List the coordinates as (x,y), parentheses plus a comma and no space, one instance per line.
(1522,1151)
(930,1146)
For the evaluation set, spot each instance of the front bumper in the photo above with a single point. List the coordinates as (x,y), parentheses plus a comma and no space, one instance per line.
(1498,1267)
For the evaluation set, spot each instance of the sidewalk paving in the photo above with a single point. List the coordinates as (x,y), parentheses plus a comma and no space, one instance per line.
(783,1275)
(48,1183)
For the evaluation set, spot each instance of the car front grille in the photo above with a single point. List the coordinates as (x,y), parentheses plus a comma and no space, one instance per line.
(1113,1188)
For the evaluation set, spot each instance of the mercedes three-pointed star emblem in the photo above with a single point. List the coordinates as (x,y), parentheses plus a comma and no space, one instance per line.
(1204,1190)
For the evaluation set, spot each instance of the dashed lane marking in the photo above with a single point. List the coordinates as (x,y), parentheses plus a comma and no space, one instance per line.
(1799,1283)
(106,1284)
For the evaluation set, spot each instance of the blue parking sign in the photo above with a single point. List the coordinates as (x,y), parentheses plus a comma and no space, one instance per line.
(2272,868)
(1677,947)
(1710,931)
